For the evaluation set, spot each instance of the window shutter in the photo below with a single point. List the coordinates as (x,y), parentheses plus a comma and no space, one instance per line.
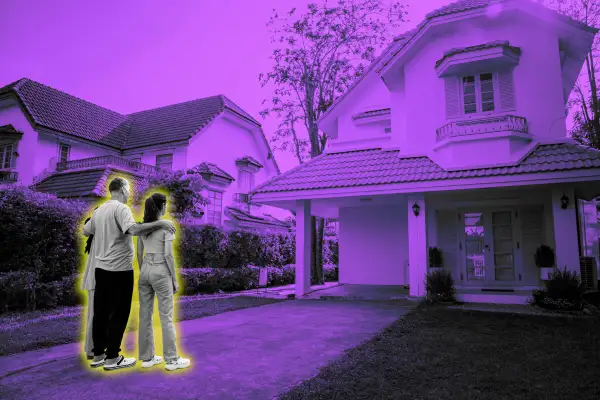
(452,97)
(506,98)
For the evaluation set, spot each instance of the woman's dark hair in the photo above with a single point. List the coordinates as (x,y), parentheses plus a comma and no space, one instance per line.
(153,205)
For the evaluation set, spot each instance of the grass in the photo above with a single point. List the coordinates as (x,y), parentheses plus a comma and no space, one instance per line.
(21,332)
(439,353)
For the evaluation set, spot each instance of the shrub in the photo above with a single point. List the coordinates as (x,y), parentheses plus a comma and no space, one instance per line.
(242,248)
(18,291)
(212,280)
(544,257)
(436,259)
(39,233)
(440,287)
(330,252)
(563,291)
(203,246)
(331,272)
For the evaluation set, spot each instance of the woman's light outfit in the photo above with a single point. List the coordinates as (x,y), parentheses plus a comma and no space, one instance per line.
(156,278)
(88,283)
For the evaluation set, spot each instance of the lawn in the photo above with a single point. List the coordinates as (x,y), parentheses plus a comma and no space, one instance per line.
(439,353)
(39,329)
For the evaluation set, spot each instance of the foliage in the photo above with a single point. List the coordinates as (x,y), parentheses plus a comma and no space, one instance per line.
(440,287)
(544,257)
(184,191)
(436,259)
(563,291)
(40,233)
(331,251)
(584,100)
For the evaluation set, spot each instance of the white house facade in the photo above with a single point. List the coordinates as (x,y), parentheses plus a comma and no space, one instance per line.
(60,144)
(456,138)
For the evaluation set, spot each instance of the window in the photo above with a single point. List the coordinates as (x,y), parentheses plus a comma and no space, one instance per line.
(164,161)
(478,93)
(7,157)
(64,151)
(246,180)
(214,208)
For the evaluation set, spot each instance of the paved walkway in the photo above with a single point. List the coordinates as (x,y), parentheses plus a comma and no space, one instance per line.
(247,354)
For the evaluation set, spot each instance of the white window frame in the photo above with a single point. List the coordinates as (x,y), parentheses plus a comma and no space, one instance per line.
(214,215)
(60,152)
(478,96)
(165,155)
(7,148)
(246,180)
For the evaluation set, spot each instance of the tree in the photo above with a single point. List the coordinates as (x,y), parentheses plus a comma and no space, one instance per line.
(584,99)
(184,190)
(320,54)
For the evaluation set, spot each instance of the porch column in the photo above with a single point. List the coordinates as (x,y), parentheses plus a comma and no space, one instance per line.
(565,230)
(417,245)
(303,247)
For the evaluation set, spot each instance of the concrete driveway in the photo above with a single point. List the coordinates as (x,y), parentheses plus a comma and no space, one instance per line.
(255,353)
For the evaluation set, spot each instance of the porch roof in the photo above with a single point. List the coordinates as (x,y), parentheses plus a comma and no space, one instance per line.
(381,167)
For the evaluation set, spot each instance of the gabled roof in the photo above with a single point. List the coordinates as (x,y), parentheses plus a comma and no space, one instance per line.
(62,112)
(249,160)
(244,216)
(83,183)
(380,167)
(402,41)
(8,129)
(372,113)
(207,168)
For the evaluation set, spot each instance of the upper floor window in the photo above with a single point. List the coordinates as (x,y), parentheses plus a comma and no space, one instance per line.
(7,158)
(478,93)
(214,209)
(64,151)
(246,180)
(164,161)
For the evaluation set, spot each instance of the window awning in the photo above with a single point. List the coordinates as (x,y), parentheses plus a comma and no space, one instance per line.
(491,56)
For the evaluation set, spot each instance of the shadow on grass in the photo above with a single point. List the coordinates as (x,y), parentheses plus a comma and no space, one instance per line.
(439,353)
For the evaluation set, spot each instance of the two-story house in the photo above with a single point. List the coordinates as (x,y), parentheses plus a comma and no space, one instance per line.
(61,144)
(455,138)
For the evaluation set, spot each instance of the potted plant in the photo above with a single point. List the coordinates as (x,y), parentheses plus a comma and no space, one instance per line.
(544,260)
(436,261)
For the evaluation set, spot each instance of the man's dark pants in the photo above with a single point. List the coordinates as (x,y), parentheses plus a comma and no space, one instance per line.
(112,305)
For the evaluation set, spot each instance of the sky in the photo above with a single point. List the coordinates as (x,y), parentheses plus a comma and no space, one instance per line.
(132,55)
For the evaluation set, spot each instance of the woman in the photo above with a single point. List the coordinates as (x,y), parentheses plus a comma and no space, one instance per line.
(88,283)
(157,275)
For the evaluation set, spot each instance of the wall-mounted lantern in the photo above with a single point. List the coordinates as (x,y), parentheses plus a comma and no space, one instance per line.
(416,209)
(564,201)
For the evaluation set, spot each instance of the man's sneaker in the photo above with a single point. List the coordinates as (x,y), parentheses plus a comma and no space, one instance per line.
(122,362)
(180,363)
(151,363)
(99,362)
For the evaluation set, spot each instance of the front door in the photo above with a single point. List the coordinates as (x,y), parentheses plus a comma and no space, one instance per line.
(487,248)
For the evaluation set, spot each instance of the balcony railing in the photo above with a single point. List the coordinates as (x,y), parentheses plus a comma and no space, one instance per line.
(478,126)
(9,176)
(242,197)
(105,161)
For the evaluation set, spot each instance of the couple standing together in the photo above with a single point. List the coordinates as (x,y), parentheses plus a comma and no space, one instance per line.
(108,278)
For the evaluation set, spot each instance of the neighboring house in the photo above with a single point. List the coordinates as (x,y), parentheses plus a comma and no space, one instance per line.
(70,147)
(455,137)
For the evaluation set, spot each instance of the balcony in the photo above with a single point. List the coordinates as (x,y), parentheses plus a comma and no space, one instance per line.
(107,160)
(8,176)
(502,123)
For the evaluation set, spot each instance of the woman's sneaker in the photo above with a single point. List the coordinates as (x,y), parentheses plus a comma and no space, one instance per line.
(122,362)
(152,362)
(180,363)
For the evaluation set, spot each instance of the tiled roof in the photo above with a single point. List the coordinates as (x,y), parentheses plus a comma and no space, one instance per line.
(249,160)
(84,183)
(206,168)
(372,113)
(379,167)
(244,216)
(490,45)
(51,108)
(62,112)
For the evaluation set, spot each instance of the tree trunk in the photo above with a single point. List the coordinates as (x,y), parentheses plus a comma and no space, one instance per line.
(316,263)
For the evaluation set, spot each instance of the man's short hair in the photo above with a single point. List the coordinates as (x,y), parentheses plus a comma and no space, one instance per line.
(116,184)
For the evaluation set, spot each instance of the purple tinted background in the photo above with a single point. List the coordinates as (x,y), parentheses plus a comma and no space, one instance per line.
(131,55)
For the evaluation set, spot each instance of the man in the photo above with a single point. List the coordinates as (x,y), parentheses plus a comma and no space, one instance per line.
(113,226)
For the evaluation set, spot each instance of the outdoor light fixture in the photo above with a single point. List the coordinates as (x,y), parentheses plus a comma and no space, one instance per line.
(416,209)
(564,202)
